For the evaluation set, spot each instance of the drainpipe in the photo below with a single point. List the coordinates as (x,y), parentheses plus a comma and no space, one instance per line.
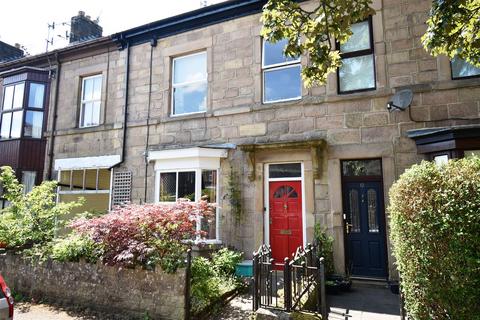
(54,123)
(125,109)
(153,43)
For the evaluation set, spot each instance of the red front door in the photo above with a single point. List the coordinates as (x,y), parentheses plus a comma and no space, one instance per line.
(285,204)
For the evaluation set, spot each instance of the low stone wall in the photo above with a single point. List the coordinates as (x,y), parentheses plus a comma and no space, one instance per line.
(131,292)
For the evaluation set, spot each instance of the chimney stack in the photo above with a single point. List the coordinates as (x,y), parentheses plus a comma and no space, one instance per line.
(82,28)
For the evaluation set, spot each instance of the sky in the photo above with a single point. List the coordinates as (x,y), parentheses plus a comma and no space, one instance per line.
(26,21)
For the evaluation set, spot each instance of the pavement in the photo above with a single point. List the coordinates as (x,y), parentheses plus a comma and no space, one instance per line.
(29,311)
(365,302)
(362,302)
(41,311)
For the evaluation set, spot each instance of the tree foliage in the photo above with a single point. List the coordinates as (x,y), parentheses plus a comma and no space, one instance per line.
(313,32)
(30,218)
(435,231)
(454,29)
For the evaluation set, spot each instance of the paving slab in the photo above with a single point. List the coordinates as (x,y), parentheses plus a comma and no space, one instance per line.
(365,302)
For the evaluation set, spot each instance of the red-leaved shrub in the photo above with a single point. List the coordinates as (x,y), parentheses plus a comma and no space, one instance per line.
(149,234)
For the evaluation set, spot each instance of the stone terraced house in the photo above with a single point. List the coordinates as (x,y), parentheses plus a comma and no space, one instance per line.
(181,106)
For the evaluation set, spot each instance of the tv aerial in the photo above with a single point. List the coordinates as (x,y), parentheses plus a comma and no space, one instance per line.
(401,100)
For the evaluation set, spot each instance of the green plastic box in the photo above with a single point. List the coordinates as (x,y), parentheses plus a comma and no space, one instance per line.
(244,268)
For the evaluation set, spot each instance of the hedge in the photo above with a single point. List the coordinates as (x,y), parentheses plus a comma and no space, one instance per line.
(435,230)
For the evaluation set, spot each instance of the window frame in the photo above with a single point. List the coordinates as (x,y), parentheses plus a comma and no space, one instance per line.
(25,108)
(183,84)
(28,108)
(83,102)
(198,185)
(460,78)
(84,190)
(359,53)
(278,66)
(12,110)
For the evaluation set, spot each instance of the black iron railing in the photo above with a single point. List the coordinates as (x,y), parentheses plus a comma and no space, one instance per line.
(288,284)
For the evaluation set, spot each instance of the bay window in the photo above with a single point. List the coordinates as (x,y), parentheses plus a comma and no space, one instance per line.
(281,74)
(357,72)
(194,185)
(189,84)
(193,174)
(22,111)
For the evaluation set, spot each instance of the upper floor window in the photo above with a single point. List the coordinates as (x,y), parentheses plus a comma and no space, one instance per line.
(463,69)
(90,101)
(189,84)
(23,112)
(357,72)
(281,74)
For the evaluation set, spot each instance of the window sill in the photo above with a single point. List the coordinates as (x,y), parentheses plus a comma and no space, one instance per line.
(181,117)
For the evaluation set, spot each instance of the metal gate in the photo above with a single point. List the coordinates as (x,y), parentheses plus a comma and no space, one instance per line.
(287,284)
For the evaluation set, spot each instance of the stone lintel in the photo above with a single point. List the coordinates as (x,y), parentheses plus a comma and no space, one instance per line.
(315,147)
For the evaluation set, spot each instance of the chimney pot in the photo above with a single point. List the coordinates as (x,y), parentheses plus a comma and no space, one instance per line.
(83,28)
(18,46)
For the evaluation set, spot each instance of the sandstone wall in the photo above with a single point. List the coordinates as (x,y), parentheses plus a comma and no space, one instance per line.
(354,125)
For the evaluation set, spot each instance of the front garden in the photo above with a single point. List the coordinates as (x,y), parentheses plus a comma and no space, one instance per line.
(151,237)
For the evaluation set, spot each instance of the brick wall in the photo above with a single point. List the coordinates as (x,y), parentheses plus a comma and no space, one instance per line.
(130,292)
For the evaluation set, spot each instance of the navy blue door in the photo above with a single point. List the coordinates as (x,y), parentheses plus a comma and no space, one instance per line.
(365,229)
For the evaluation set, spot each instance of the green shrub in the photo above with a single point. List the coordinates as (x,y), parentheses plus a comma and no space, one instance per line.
(74,247)
(225,260)
(32,218)
(213,278)
(326,247)
(435,230)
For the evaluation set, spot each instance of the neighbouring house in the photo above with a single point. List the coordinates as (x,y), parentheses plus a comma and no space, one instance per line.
(25,97)
(179,107)
(8,52)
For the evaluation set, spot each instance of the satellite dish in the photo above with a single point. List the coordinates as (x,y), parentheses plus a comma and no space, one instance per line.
(401,100)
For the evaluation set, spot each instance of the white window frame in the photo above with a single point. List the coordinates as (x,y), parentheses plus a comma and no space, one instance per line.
(198,195)
(83,102)
(274,67)
(184,84)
